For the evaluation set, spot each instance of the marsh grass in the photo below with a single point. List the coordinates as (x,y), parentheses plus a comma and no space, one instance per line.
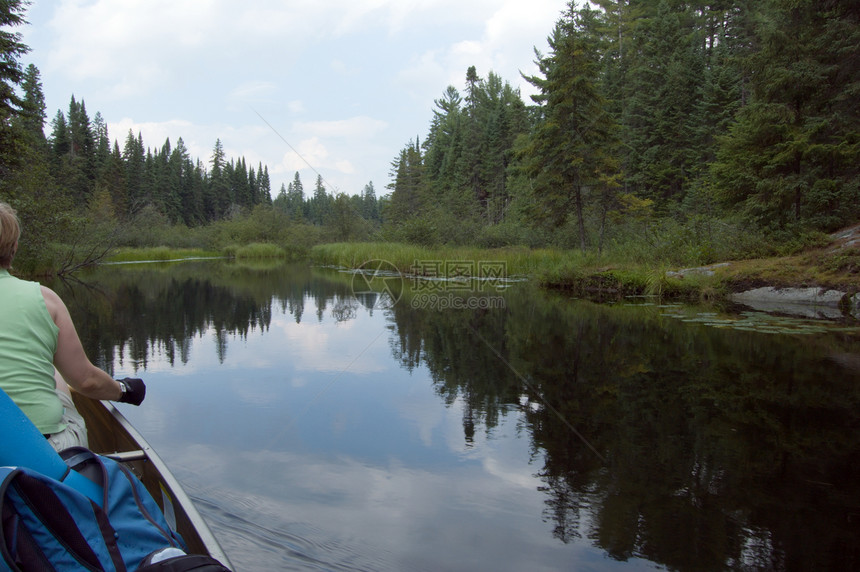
(257,251)
(414,259)
(581,273)
(159,253)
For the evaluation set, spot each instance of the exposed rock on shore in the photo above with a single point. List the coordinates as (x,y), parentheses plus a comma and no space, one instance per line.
(773,291)
(807,302)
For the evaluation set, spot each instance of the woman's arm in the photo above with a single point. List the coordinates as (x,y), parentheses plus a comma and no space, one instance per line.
(70,358)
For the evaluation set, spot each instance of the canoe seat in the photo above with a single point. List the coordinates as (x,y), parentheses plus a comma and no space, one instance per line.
(127,456)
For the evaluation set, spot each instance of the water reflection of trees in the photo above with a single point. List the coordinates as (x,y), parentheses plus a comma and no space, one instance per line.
(129,313)
(715,448)
(721,449)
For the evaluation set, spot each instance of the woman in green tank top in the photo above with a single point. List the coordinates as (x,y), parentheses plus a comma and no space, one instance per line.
(40,352)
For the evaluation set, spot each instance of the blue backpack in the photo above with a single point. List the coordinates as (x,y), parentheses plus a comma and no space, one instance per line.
(48,525)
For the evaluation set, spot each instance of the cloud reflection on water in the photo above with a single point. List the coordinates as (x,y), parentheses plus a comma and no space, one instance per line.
(373,463)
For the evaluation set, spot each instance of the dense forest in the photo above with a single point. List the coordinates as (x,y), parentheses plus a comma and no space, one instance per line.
(691,112)
(702,129)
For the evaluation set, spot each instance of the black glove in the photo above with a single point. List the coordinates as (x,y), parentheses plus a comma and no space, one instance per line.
(134,390)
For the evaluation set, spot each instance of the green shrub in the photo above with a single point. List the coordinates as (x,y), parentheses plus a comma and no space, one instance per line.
(258,250)
(159,253)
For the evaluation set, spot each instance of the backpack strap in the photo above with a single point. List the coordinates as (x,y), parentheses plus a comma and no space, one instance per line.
(40,526)
(138,519)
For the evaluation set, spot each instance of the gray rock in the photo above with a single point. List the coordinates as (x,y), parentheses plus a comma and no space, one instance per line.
(701,271)
(806,302)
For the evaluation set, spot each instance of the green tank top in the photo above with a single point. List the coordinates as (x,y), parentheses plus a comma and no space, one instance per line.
(28,340)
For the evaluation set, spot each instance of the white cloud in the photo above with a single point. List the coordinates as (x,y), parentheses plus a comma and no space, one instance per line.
(296,107)
(308,151)
(354,127)
(360,76)
(345,167)
(254,90)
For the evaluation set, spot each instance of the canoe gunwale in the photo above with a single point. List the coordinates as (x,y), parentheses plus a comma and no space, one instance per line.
(111,434)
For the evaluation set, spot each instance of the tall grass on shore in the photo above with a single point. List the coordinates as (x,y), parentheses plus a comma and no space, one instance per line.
(256,251)
(413,259)
(585,274)
(251,251)
(160,253)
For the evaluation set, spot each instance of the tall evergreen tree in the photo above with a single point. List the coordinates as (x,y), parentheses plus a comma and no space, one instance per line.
(11,75)
(32,117)
(442,143)
(264,185)
(253,186)
(59,140)
(112,179)
(569,153)
(134,157)
(280,203)
(793,153)
(369,205)
(342,216)
(407,172)
(102,142)
(296,207)
(240,188)
(217,198)
(320,204)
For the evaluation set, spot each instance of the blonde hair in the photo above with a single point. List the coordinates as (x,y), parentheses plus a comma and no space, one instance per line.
(10,232)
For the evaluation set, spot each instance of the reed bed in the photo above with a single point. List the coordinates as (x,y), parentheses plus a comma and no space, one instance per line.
(159,253)
(412,259)
(257,251)
(585,274)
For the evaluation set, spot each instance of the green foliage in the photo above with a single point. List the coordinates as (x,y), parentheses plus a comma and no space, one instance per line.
(420,231)
(679,133)
(846,260)
(791,156)
(412,259)
(259,250)
(501,235)
(568,155)
(159,253)
(12,136)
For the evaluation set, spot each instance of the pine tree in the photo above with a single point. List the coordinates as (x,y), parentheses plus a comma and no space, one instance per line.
(504,118)
(112,179)
(296,206)
(320,204)
(264,185)
(342,216)
(133,155)
(78,167)
(32,116)
(407,172)
(792,155)
(469,185)
(369,206)
(569,153)
(11,75)
(102,142)
(467,154)
(253,186)
(59,140)
(217,197)
(281,202)
(240,188)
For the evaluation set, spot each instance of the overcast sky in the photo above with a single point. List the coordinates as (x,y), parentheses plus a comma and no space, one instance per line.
(340,85)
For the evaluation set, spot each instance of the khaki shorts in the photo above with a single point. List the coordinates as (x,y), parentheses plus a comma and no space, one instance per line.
(75,433)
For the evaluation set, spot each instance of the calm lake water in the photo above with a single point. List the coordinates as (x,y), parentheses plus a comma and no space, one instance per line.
(327,423)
